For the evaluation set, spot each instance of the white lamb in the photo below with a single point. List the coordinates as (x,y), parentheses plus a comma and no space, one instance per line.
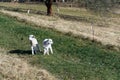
(34,44)
(47,44)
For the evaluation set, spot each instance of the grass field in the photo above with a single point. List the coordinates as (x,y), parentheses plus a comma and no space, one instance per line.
(80,12)
(41,7)
(73,58)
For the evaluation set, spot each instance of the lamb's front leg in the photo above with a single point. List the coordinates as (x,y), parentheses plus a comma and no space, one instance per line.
(51,49)
(32,50)
(46,51)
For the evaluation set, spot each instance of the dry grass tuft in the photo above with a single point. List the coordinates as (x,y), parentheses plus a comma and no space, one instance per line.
(13,68)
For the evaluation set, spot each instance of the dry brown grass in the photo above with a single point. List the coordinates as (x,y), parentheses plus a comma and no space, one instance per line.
(13,68)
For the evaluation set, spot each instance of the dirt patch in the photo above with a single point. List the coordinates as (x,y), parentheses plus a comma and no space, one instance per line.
(106,35)
(116,10)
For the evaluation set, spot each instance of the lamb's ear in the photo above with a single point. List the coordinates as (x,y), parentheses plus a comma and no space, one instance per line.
(45,39)
(50,39)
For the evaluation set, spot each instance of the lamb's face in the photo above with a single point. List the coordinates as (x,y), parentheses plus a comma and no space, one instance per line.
(31,36)
(50,41)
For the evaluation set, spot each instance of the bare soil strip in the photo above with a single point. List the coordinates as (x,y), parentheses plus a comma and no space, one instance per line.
(106,35)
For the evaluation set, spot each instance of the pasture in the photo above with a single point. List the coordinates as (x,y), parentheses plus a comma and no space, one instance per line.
(73,58)
(81,14)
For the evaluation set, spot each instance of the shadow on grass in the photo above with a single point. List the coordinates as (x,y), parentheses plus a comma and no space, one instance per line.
(23,52)
(17,51)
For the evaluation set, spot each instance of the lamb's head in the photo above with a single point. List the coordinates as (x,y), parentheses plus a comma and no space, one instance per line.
(31,36)
(47,42)
(50,41)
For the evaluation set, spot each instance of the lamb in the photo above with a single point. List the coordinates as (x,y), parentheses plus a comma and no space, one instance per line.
(34,44)
(47,44)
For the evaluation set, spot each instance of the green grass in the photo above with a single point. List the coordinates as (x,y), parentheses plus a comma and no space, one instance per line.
(73,58)
(24,6)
